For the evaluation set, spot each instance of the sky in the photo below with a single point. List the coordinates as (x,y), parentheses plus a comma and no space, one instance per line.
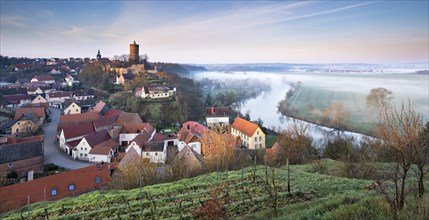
(212,32)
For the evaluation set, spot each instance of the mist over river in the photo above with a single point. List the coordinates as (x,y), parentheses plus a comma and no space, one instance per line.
(324,88)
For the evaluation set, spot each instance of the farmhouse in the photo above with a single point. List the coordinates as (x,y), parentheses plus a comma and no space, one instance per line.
(217,117)
(155,92)
(250,134)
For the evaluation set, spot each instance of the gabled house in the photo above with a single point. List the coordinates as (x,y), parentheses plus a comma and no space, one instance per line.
(89,141)
(22,67)
(190,134)
(154,152)
(104,152)
(54,187)
(250,134)
(131,130)
(39,112)
(18,100)
(43,78)
(38,89)
(71,107)
(217,117)
(39,101)
(27,122)
(22,157)
(71,135)
(57,99)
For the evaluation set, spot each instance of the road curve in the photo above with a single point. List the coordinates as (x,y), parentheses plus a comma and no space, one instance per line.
(52,152)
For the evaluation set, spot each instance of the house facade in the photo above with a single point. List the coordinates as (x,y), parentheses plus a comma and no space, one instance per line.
(82,149)
(250,134)
(28,122)
(155,92)
(39,101)
(217,117)
(57,99)
(71,108)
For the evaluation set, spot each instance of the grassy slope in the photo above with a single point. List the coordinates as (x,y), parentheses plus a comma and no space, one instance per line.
(323,197)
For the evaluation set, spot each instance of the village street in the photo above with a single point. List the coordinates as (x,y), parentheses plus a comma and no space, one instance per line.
(52,153)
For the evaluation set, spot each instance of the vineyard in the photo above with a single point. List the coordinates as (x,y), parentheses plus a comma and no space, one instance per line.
(245,194)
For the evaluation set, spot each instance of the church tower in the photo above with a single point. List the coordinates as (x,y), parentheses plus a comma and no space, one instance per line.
(98,55)
(134,53)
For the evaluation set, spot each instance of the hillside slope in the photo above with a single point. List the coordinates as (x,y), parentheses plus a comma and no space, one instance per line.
(313,196)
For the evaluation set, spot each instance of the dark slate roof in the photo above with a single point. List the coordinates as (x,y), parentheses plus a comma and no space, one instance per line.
(20,151)
(154,147)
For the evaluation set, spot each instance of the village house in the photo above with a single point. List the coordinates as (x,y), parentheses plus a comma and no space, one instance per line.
(105,122)
(43,78)
(16,101)
(217,117)
(36,89)
(70,136)
(27,122)
(71,107)
(131,130)
(39,112)
(153,151)
(155,92)
(128,118)
(191,159)
(104,152)
(69,80)
(54,187)
(57,99)
(250,134)
(39,101)
(89,141)
(22,157)
(190,134)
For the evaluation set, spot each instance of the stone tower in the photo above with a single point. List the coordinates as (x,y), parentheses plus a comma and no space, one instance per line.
(134,53)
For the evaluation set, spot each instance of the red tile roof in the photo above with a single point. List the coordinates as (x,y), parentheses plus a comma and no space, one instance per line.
(142,138)
(127,117)
(104,148)
(39,112)
(99,106)
(217,112)
(78,130)
(43,78)
(191,131)
(246,127)
(137,128)
(15,196)
(130,158)
(105,121)
(159,137)
(97,137)
(113,112)
(73,119)
(16,98)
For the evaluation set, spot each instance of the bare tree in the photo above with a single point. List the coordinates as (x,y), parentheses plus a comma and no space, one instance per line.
(398,130)
(379,98)
(336,115)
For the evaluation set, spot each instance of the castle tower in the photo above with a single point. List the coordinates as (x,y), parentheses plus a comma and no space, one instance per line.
(134,53)
(98,55)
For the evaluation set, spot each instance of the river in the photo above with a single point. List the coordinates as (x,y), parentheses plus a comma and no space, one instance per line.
(264,106)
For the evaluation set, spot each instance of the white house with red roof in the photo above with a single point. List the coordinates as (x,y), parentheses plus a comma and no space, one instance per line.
(131,130)
(57,99)
(71,135)
(43,78)
(190,134)
(104,152)
(89,141)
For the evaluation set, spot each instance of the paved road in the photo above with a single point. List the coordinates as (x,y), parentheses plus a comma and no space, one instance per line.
(53,154)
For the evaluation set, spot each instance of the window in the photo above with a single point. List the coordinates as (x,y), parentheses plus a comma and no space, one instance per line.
(260,145)
(10,164)
(97,179)
(81,154)
(54,192)
(81,148)
(156,154)
(147,154)
(260,138)
(71,187)
(256,138)
(76,110)
(257,132)
(86,155)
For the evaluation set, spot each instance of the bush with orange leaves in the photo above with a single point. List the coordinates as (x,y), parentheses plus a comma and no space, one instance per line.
(213,208)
